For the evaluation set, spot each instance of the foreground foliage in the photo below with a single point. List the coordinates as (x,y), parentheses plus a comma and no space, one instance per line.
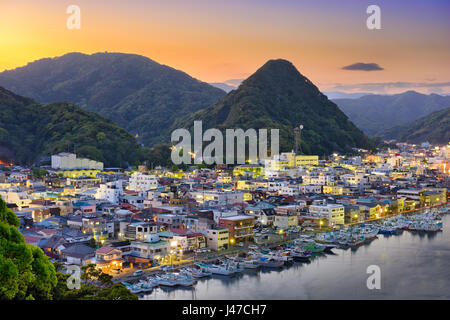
(96,285)
(25,271)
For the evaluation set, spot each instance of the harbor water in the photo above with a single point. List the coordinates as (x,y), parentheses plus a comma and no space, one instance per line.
(413,265)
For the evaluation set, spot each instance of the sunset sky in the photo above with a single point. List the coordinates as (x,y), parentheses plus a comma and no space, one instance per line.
(215,40)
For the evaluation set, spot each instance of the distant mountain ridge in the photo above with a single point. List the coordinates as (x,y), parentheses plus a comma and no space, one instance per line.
(136,92)
(278,96)
(224,86)
(332,95)
(434,128)
(375,114)
(29,129)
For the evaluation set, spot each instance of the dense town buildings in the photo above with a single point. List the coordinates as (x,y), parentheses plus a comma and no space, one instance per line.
(138,217)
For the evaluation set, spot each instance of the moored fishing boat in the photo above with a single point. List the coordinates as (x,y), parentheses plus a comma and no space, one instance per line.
(199,272)
(167,280)
(147,285)
(251,264)
(270,263)
(237,265)
(279,256)
(314,247)
(134,288)
(185,280)
(387,231)
(224,270)
(300,255)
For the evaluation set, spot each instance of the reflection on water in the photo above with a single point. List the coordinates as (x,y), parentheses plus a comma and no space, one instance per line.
(414,265)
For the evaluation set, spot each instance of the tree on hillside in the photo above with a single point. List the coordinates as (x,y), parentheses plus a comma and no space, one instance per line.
(95,285)
(93,275)
(25,271)
(39,173)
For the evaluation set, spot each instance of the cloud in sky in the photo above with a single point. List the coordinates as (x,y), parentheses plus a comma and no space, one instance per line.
(361,66)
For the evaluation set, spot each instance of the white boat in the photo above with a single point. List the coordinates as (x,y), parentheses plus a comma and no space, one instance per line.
(224,270)
(199,273)
(185,281)
(146,285)
(166,280)
(134,288)
(300,255)
(280,256)
(236,264)
(270,263)
(251,264)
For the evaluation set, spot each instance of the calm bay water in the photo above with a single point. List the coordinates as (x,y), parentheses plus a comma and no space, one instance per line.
(413,266)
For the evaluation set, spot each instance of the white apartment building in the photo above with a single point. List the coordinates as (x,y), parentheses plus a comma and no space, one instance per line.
(335,213)
(140,231)
(142,182)
(309,188)
(353,179)
(68,161)
(223,214)
(411,194)
(276,186)
(291,209)
(171,209)
(445,152)
(285,221)
(290,190)
(275,173)
(395,161)
(110,191)
(171,220)
(219,197)
(18,176)
(153,194)
(151,248)
(17,196)
(318,179)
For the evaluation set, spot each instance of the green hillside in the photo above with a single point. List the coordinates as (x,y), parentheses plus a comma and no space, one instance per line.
(137,93)
(29,129)
(434,128)
(375,114)
(278,96)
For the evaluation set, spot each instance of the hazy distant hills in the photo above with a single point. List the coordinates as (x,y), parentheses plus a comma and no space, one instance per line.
(224,86)
(434,128)
(29,129)
(278,96)
(137,93)
(332,95)
(375,114)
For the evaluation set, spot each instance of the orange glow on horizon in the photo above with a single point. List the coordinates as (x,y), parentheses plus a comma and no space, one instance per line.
(216,41)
